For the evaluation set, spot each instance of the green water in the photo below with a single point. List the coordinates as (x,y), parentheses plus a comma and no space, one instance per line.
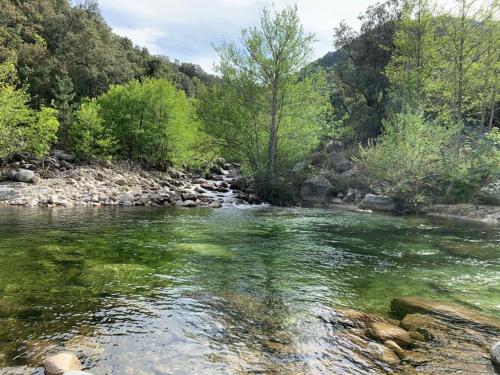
(165,291)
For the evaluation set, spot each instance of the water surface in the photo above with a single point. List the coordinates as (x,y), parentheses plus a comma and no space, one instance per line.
(177,291)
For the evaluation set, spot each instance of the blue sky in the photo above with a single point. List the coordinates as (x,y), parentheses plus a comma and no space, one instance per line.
(186,29)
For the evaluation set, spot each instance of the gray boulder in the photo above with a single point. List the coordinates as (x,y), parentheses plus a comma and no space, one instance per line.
(495,354)
(24,175)
(239,183)
(299,167)
(377,203)
(490,194)
(316,190)
(339,163)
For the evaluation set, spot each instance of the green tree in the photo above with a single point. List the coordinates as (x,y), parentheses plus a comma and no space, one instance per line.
(152,121)
(263,113)
(88,137)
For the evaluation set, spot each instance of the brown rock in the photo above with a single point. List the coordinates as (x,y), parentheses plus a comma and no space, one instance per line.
(446,311)
(386,331)
(383,353)
(60,363)
(417,336)
(395,348)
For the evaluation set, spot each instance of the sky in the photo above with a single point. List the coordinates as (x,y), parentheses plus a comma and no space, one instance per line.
(186,30)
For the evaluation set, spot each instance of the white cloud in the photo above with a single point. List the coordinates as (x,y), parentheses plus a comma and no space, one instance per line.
(186,29)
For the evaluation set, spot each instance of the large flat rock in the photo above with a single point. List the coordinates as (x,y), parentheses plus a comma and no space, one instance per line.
(444,310)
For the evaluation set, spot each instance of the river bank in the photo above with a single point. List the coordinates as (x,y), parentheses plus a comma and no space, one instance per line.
(59,181)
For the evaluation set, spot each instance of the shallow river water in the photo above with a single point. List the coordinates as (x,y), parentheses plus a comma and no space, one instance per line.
(200,291)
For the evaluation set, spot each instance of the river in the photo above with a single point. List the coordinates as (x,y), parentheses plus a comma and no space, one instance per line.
(202,291)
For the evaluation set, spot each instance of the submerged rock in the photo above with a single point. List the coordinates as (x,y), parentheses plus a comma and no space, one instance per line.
(385,331)
(61,363)
(446,311)
(383,353)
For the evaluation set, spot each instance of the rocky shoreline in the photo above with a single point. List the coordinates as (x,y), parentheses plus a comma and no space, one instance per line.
(420,337)
(60,182)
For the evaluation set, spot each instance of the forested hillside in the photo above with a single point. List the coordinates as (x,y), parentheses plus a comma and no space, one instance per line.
(412,96)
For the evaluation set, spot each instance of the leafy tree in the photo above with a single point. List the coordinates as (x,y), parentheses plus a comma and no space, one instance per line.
(88,136)
(21,128)
(262,113)
(360,86)
(152,121)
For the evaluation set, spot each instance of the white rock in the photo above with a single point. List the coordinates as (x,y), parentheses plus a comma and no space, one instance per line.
(61,363)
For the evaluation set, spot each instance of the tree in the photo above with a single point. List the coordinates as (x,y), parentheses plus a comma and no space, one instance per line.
(360,86)
(262,107)
(23,129)
(88,136)
(152,121)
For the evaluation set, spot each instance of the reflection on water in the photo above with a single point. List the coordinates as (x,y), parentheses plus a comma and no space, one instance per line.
(159,291)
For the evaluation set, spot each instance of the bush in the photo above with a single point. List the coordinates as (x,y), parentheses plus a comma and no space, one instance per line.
(415,161)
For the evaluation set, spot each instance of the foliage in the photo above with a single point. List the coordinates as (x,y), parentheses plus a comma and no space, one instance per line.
(89,138)
(360,89)
(150,122)
(262,113)
(21,128)
(416,160)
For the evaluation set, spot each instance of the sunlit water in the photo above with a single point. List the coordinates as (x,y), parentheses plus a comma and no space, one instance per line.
(200,291)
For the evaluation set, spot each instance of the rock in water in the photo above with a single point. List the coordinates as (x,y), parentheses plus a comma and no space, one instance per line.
(24,175)
(495,354)
(316,190)
(377,203)
(383,353)
(61,363)
(444,310)
(389,332)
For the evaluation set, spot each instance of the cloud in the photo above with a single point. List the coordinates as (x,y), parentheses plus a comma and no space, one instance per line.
(185,30)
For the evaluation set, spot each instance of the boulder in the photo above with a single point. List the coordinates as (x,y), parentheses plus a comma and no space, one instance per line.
(446,311)
(339,163)
(395,348)
(385,331)
(61,363)
(377,203)
(383,353)
(189,203)
(490,194)
(24,175)
(495,354)
(239,183)
(299,167)
(215,204)
(316,190)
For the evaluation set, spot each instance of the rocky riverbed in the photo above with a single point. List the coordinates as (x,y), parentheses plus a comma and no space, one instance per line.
(60,182)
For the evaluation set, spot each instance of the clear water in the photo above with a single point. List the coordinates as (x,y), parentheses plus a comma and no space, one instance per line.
(184,291)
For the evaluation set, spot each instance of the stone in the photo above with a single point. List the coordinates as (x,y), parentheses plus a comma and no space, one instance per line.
(299,167)
(385,331)
(36,180)
(495,354)
(377,203)
(24,175)
(316,190)
(490,194)
(239,183)
(400,352)
(216,204)
(446,311)
(417,336)
(339,163)
(189,203)
(61,363)
(120,181)
(383,353)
